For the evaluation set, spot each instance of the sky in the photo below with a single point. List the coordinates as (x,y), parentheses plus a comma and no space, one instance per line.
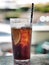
(13,3)
(26,1)
(30,1)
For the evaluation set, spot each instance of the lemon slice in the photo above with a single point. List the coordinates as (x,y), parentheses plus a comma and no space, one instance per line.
(16,36)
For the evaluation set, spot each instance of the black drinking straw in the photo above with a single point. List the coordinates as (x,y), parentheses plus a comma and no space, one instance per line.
(32,12)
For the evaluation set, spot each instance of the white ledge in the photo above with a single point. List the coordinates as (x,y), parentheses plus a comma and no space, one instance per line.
(40,28)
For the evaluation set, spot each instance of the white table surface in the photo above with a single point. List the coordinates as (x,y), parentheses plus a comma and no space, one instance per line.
(35,60)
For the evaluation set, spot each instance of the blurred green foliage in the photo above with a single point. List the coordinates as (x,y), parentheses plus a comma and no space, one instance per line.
(12,14)
(24,9)
(42,7)
(16,13)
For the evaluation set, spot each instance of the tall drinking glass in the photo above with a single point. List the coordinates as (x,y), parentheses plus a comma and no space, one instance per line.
(21,30)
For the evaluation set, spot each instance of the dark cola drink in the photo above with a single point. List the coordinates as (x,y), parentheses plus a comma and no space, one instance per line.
(21,41)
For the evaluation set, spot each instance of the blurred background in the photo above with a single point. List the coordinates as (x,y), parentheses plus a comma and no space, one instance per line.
(40,29)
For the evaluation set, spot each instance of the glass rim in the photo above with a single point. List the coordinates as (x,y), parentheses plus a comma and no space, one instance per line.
(19,20)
